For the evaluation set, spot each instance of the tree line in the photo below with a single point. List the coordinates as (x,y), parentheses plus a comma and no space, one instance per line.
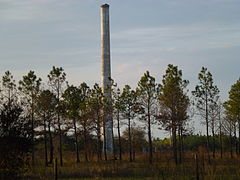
(60,109)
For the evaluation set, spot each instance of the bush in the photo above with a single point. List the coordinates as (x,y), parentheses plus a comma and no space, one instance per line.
(15,140)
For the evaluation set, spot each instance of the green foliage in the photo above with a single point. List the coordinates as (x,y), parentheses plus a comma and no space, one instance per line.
(30,84)
(147,96)
(173,99)
(232,106)
(46,104)
(72,100)
(7,81)
(194,142)
(95,101)
(8,90)
(56,78)
(138,137)
(15,141)
(128,100)
(117,101)
(94,106)
(206,92)
(206,96)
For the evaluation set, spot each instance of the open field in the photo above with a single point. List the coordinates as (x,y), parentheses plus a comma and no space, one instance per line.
(162,168)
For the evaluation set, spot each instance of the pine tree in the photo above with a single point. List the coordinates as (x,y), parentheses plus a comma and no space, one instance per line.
(147,97)
(206,93)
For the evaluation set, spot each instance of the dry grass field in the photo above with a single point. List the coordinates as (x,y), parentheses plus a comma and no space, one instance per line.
(163,168)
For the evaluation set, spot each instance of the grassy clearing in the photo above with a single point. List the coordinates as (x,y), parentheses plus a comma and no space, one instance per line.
(163,168)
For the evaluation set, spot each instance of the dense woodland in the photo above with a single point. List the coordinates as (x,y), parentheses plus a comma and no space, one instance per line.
(53,121)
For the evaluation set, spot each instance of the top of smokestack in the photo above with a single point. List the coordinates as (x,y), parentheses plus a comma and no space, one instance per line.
(105,6)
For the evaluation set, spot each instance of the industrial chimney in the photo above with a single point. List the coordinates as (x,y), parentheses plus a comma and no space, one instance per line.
(106,77)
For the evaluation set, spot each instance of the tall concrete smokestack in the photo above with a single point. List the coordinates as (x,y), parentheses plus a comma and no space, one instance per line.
(106,75)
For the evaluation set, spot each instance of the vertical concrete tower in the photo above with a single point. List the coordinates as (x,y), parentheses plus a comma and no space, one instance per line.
(106,75)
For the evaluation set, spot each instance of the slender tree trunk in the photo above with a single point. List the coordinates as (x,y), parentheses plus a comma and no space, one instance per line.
(45,140)
(182,146)
(113,140)
(104,141)
(238,140)
(60,140)
(129,139)
(134,151)
(85,143)
(221,143)
(179,144)
(50,144)
(99,156)
(99,151)
(99,146)
(150,136)
(9,99)
(213,136)
(119,136)
(235,139)
(32,126)
(59,126)
(207,126)
(99,143)
(76,141)
(133,145)
(174,136)
(230,135)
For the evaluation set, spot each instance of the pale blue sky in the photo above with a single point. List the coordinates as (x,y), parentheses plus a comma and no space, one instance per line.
(145,35)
